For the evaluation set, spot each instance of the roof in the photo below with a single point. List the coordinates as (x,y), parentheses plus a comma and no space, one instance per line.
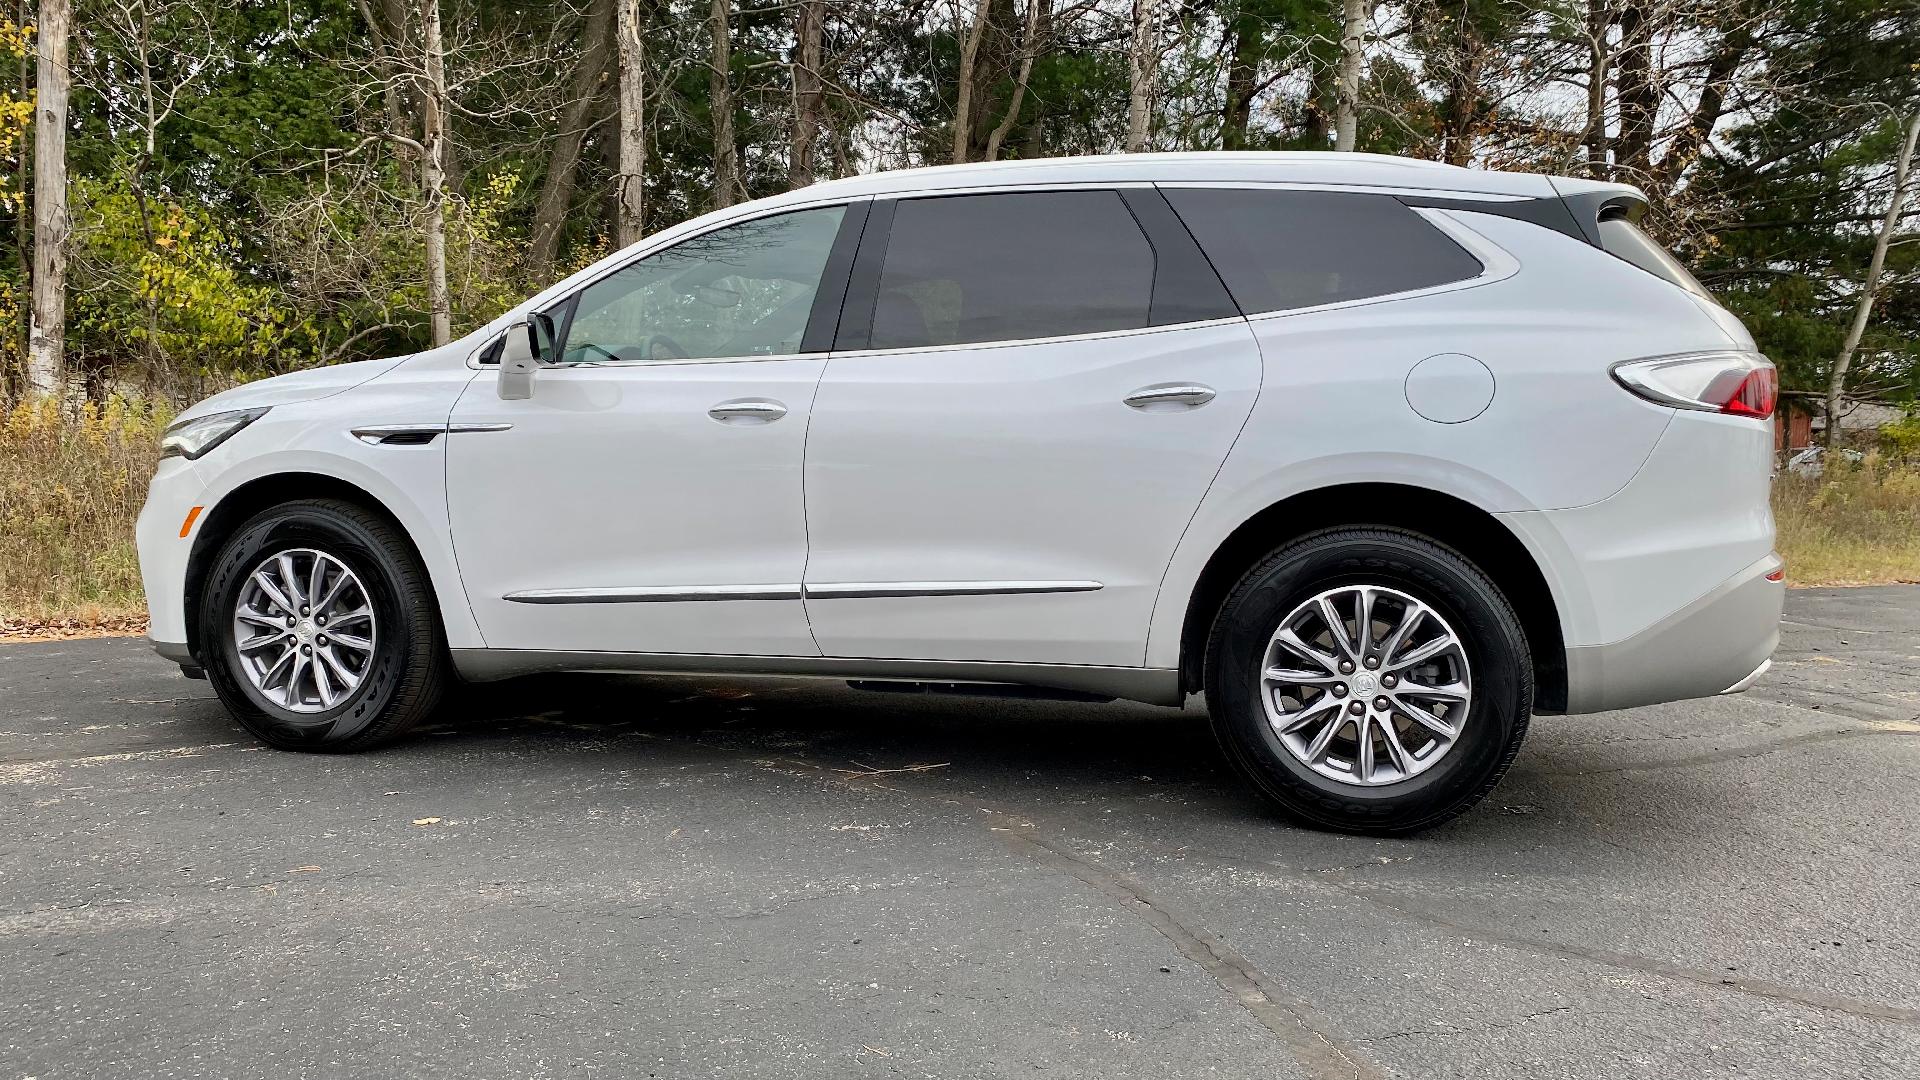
(1280,166)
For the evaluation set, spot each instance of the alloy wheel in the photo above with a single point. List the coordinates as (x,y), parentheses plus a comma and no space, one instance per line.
(1366,685)
(303,628)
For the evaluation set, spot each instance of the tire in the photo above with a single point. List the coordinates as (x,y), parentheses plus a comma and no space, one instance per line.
(382,601)
(1397,570)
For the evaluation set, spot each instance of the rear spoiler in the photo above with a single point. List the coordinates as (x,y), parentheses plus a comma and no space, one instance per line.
(1593,201)
(1577,211)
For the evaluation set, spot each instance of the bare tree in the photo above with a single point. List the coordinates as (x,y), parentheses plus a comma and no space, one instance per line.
(1143,65)
(630,184)
(1353,35)
(46,340)
(963,90)
(1599,58)
(809,91)
(556,191)
(1870,287)
(726,151)
(1030,48)
(433,174)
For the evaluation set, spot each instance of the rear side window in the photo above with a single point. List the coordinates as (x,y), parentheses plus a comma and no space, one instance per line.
(1279,250)
(1003,267)
(1623,239)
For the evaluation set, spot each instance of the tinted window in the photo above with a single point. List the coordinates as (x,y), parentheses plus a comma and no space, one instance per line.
(1294,249)
(744,290)
(1001,267)
(1622,238)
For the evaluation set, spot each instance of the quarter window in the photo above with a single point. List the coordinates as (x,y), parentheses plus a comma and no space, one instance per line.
(742,290)
(1278,250)
(1003,267)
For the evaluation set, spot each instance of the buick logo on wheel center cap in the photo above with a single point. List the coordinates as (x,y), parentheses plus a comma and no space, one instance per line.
(1364,684)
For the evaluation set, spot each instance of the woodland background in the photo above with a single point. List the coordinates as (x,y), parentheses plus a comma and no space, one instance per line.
(194,193)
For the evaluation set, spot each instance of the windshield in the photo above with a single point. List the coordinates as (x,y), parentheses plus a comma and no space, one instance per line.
(1623,239)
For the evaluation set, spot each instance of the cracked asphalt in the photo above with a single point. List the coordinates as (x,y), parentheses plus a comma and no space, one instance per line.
(683,878)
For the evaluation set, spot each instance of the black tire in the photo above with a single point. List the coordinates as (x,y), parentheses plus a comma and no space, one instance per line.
(408,669)
(1484,622)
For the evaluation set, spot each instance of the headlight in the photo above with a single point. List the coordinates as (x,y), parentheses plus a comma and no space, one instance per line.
(191,438)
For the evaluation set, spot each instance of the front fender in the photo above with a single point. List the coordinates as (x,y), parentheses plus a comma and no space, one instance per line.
(409,481)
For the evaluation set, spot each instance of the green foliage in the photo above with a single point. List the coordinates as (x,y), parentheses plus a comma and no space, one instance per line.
(161,281)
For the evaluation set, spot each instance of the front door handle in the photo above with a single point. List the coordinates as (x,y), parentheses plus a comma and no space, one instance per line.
(1191,395)
(748,411)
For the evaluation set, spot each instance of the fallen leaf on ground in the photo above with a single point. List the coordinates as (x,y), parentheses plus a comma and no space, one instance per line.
(426,821)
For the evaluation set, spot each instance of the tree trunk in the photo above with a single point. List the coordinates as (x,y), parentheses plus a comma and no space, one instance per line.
(556,191)
(963,92)
(630,182)
(1346,100)
(1036,12)
(1686,145)
(433,174)
(809,92)
(1638,92)
(22,329)
(1143,64)
(46,340)
(1463,102)
(1599,57)
(1247,45)
(1837,383)
(726,155)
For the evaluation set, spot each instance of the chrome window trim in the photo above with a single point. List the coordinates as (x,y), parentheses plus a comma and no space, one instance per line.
(1008,343)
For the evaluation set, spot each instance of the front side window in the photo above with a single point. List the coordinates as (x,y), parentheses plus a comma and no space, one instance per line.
(1039,264)
(1278,250)
(742,290)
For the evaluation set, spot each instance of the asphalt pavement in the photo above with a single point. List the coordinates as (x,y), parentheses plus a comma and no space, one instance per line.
(684,878)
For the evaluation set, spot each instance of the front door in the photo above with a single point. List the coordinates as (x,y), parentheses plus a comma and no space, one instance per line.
(647,497)
(1000,467)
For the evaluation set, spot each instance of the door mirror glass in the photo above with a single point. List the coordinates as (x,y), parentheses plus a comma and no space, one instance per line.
(528,345)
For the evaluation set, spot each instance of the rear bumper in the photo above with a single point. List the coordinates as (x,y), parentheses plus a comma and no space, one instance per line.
(1718,644)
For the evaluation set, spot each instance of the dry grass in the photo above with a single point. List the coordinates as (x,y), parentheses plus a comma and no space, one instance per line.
(1858,525)
(70,488)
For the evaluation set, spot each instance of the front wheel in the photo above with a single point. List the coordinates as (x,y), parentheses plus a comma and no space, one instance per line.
(319,631)
(1369,681)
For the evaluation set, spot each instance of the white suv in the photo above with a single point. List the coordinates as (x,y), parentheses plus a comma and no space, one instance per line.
(1380,455)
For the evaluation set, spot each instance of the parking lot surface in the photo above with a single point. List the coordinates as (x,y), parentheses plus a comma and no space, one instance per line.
(682,878)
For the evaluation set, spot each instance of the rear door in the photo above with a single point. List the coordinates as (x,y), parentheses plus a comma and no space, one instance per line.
(1028,397)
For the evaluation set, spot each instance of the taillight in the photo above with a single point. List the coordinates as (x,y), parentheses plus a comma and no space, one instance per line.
(1735,383)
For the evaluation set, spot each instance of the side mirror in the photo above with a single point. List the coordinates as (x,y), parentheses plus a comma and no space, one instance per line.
(528,346)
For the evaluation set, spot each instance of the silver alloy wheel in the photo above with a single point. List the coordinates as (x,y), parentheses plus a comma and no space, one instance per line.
(304,629)
(1366,685)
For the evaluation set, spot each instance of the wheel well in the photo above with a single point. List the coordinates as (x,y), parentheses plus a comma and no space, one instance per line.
(242,503)
(1457,524)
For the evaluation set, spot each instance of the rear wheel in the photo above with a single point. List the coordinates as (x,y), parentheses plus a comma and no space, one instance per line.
(319,630)
(1369,680)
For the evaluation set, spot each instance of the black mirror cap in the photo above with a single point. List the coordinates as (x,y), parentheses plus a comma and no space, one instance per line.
(540,338)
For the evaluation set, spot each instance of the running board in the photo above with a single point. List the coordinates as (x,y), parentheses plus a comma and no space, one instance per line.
(976,689)
(1155,686)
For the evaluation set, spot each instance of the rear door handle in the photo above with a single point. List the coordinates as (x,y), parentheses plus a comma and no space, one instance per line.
(1191,395)
(748,410)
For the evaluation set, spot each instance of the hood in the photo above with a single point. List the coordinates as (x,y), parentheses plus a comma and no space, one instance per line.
(310,385)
